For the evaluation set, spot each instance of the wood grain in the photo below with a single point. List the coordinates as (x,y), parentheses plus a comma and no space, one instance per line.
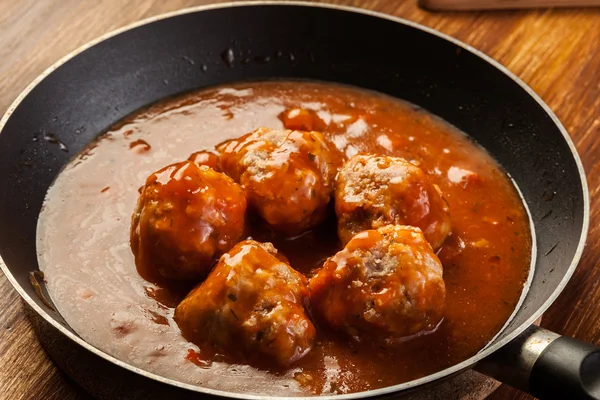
(439,5)
(555,51)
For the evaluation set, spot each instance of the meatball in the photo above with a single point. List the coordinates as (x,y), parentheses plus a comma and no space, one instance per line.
(287,175)
(253,304)
(207,158)
(301,119)
(186,216)
(386,284)
(373,191)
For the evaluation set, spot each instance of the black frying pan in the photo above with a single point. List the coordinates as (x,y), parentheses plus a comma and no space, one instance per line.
(89,90)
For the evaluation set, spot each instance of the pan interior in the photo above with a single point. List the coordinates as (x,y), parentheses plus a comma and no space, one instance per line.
(83,235)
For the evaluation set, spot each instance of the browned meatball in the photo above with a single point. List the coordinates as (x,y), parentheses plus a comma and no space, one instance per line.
(251,303)
(386,283)
(207,158)
(186,216)
(301,119)
(287,175)
(373,191)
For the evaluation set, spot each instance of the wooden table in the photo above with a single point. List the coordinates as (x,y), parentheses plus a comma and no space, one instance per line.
(557,52)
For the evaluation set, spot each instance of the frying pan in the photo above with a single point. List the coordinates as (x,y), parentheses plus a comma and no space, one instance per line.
(89,90)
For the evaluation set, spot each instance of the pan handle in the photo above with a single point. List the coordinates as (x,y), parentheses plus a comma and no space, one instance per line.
(547,365)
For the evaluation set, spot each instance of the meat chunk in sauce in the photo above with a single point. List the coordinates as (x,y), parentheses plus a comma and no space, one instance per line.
(252,303)
(287,175)
(301,119)
(186,216)
(207,158)
(386,284)
(373,191)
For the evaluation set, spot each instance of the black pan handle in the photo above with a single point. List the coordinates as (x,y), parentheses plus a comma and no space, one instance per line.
(547,365)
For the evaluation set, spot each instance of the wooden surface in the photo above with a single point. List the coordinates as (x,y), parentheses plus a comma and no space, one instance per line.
(557,52)
(501,4)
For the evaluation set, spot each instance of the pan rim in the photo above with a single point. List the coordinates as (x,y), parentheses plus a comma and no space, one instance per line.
(468,363)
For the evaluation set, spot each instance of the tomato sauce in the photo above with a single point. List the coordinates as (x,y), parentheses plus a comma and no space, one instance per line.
(83,245)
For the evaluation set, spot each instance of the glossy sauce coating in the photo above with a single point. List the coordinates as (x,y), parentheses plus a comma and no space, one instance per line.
(205,157)
(84,251)
(252,305)
(386,284)
(287,175)
(374,191)
(186,216)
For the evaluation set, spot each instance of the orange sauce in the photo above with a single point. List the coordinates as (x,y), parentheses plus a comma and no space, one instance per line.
(486,258)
